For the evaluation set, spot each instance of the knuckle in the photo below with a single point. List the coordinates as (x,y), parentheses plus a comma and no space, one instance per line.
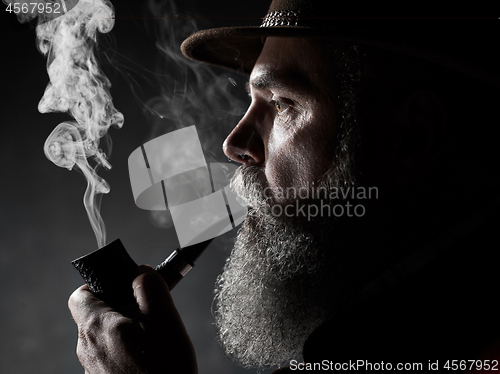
(121,329)
(89,330)
(75,299)
(93,322)
(79,302)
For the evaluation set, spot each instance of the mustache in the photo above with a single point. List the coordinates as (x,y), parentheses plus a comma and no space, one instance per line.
(250,184)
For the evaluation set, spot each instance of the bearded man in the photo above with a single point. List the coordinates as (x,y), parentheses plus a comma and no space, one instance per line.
(372,187)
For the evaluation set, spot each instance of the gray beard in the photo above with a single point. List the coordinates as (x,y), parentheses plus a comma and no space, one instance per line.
(279,282)
(283,277)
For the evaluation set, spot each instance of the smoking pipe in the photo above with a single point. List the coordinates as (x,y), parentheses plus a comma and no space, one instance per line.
(109,271)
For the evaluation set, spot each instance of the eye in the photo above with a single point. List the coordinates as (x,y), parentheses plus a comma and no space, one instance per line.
(280,106)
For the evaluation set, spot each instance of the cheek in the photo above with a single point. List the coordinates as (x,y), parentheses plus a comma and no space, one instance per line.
(299,154)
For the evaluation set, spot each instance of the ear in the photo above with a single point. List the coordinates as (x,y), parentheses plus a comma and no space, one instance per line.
(417,136)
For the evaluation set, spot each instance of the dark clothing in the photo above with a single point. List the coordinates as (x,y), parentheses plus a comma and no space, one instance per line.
(448,310)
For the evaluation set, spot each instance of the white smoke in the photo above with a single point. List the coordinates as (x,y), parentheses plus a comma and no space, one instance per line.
(191,93)
(77,86)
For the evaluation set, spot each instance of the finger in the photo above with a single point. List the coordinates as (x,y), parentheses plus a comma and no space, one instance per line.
(151,291)
(82,303)
(153,296)
(160,319)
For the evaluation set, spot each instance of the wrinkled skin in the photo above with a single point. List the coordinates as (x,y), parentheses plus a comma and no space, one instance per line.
(289,128)
(151,338)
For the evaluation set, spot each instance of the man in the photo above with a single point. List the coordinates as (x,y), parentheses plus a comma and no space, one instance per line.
(372,194)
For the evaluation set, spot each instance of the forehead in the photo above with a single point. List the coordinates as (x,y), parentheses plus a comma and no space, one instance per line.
(297,64)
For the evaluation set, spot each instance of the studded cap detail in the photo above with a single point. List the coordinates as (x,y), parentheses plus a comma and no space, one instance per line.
(281,18)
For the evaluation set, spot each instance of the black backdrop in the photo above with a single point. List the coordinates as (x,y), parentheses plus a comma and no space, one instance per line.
(43,225)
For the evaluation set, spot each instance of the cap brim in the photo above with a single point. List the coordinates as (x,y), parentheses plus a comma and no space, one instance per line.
(459,49)
(237,48)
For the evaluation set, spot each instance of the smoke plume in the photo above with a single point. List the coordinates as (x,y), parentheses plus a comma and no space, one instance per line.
(77,86)
(191,93)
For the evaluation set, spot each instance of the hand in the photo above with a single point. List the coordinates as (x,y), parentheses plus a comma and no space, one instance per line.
(148,338)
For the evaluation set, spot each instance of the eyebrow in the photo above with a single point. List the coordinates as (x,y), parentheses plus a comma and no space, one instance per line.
(289,80)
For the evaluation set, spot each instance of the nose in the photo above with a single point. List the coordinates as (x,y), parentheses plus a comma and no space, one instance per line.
(245,143)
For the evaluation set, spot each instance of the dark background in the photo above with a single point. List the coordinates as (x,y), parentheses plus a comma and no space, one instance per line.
(43,224)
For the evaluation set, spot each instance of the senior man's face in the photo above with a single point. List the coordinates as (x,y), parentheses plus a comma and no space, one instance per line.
(288,129)
(279,282)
